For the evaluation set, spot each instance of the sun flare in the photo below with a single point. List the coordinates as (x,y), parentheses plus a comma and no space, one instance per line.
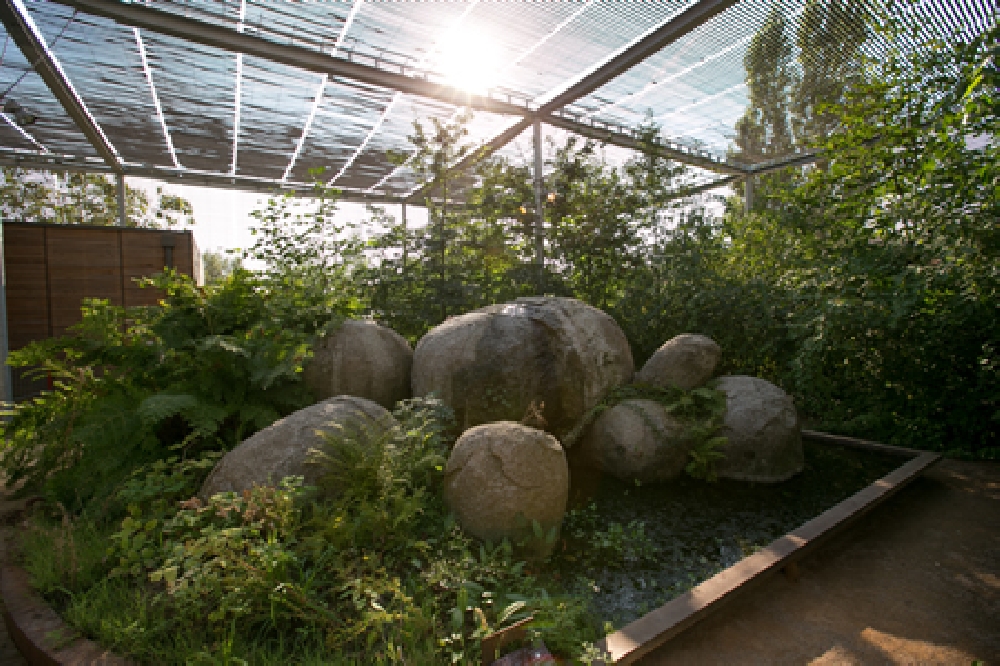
(469,59)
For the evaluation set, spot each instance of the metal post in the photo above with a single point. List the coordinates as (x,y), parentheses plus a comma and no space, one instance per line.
(6,385)
(120,188)
(404,238)
(748,194)
(539,211)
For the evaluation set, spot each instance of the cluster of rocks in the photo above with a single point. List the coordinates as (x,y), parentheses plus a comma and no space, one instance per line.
(556,358)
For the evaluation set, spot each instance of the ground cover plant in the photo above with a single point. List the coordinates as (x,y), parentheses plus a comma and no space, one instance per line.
(201,371)
(368,567)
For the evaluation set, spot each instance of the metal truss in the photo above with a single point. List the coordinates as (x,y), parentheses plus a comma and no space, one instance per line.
(383,73)
(668,32)
(22,29)
(399,77)
(74,163)
(379,72)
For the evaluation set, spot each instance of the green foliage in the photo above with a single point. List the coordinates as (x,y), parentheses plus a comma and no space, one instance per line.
(594,544)
(702,410)
(79,198)
(368,563)
(480,252)
(201,371)
(891,287)
(216,266)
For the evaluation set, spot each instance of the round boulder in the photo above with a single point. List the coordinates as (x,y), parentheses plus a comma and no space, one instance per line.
(762,426)
(686,361)
(490,364)
(282,449)
(364,359)
(502,477)
(637,440)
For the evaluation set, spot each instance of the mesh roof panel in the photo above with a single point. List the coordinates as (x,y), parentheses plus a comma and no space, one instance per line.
(291,120)
(102,60)
(53,128)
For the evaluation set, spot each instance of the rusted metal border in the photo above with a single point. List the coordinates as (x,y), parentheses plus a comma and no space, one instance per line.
(42,637)
(639,638)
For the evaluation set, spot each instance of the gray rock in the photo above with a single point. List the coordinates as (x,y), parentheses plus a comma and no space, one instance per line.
(686,361)
(636,440)
(765,439)
(502,476)
(363,359)
(282,449)
(490,364)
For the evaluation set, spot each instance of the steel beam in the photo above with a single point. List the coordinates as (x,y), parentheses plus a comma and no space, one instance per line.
(669,32)
(539,198)
(229,39)
(74,163)
(704,187)
(22,29)
(120,199)
(617,137)
(798,159)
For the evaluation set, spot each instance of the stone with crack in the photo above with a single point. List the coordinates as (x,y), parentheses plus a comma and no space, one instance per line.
(490,364)
(507,480)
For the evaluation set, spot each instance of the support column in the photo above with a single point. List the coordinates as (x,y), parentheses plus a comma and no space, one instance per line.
(748,194)
(120,190)
(539,197)
(404,237)
(6,383)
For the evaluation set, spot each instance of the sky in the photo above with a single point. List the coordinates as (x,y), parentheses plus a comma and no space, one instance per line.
(223,217)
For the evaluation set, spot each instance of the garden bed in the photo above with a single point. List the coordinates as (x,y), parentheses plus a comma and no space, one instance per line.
(700,544)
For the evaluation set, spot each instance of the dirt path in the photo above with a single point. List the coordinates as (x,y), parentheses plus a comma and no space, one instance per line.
(915,582)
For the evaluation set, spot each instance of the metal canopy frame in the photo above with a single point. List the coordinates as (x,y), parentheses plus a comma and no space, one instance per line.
(24,33)
(383,73)
(75,163)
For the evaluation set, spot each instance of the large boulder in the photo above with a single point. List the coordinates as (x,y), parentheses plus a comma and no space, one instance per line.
(502,477)
(686,361)
(282,449)
(762,426)
(637,440)
(490,364)
(363,359)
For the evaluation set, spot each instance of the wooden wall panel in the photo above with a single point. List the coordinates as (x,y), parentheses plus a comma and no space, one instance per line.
(83,263)
(144,256)
(26,284)
(51,268)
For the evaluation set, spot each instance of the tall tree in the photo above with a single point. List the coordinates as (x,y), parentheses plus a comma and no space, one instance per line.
(764,131)
(829,39)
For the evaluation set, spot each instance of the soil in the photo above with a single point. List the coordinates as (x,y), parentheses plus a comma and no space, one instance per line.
(917,581)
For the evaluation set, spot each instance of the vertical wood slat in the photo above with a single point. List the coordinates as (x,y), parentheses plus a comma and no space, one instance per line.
(51,268)
(48,282)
